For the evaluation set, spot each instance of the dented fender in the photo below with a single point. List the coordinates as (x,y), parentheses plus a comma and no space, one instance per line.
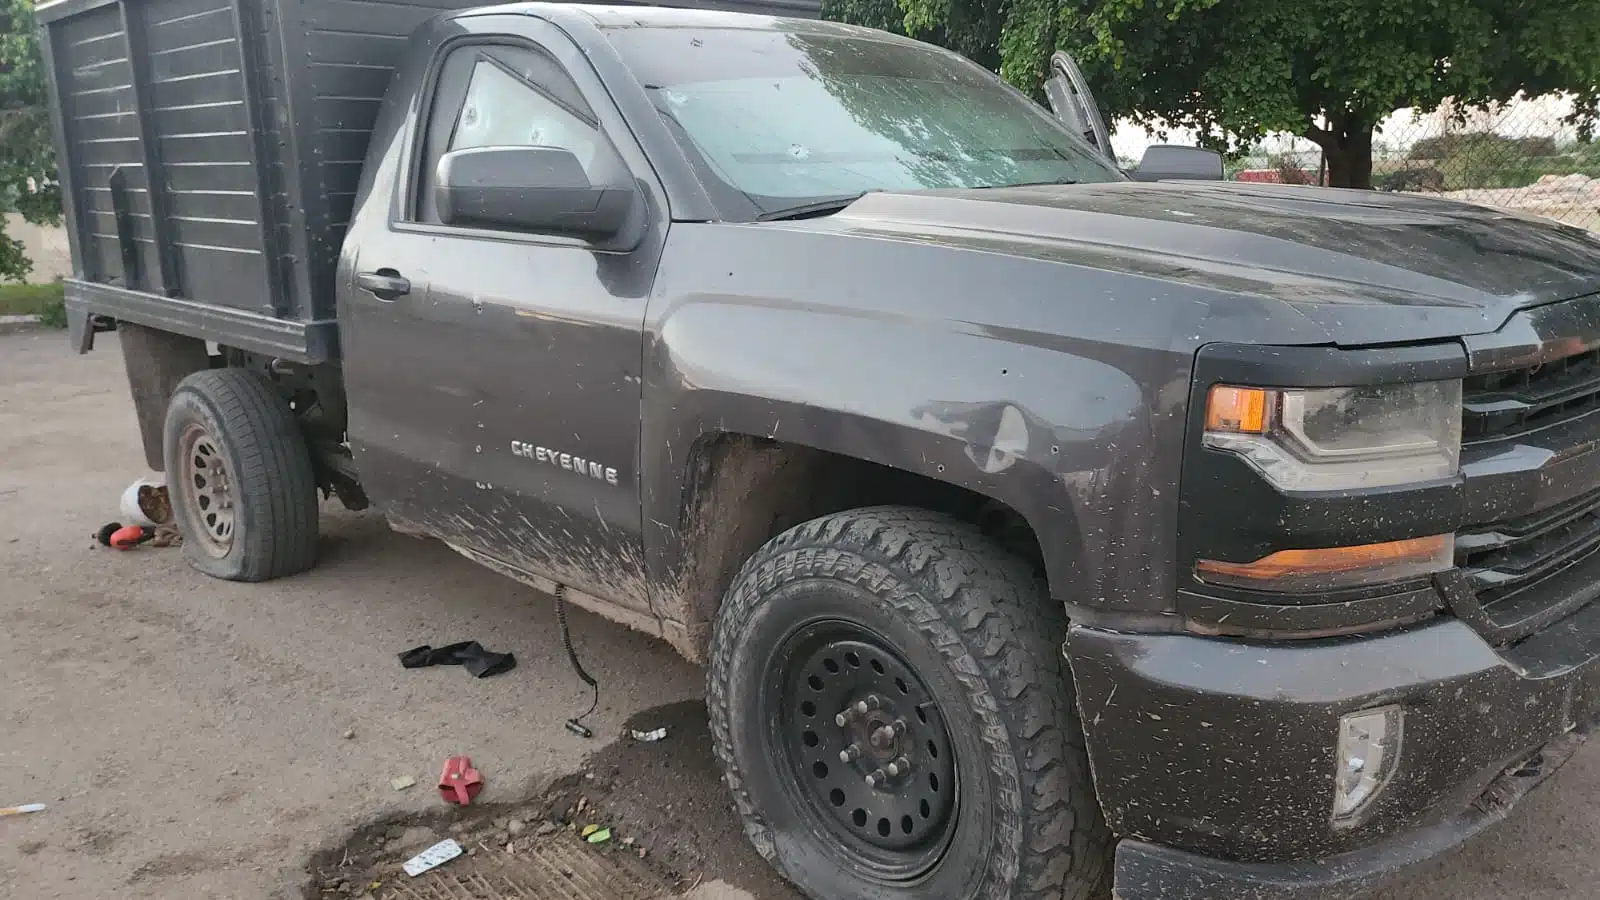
(953,365)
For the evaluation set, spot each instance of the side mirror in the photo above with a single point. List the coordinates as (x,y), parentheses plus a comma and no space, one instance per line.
(540,189)
(1166,161)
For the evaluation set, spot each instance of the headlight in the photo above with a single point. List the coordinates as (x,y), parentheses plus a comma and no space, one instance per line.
(1335,439)
(1340,438)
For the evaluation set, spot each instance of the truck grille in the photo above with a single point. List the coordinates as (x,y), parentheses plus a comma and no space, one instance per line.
(1531,570)
(1502,560)
(1501,404)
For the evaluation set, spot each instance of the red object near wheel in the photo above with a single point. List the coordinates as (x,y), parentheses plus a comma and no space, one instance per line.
(131,536)
(459,782)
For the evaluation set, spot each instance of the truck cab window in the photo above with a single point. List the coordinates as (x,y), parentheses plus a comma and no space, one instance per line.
(503,96)
(503,111)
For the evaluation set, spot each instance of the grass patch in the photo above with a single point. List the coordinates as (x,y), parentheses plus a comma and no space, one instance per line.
(47,301)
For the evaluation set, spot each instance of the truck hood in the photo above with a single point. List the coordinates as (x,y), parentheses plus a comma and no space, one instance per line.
(1367,267)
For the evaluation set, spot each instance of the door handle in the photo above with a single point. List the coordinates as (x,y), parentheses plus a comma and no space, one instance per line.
(385,284)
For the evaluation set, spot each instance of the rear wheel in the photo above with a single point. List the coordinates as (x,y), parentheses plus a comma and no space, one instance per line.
(888,703)
(240,475)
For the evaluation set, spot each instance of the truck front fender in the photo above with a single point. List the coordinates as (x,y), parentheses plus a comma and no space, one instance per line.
(1062,435)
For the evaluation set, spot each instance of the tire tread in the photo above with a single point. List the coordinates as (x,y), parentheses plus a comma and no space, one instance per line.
(985,611)
(275,482)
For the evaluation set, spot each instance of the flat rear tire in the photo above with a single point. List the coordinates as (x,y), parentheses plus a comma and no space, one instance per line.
(239,472)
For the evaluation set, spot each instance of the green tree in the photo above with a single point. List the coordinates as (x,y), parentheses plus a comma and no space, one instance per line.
(1329,70)
(27,153)
(972,29)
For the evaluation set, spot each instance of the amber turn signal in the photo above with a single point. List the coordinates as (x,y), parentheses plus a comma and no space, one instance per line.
(1237,410)
(1391,559)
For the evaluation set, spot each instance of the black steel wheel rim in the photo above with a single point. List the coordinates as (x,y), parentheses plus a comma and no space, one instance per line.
(863,749)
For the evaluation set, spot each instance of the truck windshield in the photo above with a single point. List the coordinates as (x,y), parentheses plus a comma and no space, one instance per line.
(793,119)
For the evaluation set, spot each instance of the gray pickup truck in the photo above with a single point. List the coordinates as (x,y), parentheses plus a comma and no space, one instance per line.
(1044,531)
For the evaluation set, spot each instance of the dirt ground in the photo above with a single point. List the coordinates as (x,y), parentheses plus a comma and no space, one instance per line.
(190,739)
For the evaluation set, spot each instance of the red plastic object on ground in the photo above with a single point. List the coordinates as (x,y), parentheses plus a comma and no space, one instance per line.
(131,536)
(459,782)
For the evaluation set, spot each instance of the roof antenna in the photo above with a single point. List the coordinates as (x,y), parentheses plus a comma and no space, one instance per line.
(575,725)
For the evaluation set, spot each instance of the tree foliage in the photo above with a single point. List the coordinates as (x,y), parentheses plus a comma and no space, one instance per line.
(1329,70)
(972,29)
(27,154)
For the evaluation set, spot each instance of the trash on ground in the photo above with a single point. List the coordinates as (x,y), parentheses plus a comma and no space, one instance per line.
(130,536)
(459,782)
(649,737)
(24,809)
(126,537)
(146,502)
(599,837)
(433,857)
(469,655)
(402,782)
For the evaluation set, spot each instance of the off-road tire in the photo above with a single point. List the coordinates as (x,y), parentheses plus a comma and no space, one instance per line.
(269,473)
(972,618)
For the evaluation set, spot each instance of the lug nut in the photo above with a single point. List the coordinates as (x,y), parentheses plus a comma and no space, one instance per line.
(899,767)
(850,754)
(876,778)
(859,708)
(886,735)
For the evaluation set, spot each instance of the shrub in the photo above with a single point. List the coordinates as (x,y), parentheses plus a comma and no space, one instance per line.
(47,301)
(54,313)
(1448,146)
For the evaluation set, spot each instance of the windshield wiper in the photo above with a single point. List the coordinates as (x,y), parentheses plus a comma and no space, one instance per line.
(824,207)
(1036,183)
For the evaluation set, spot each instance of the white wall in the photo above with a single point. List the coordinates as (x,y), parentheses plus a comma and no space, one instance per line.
(47,247)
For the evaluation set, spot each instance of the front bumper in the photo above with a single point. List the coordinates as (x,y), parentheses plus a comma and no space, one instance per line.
(1153,872)
(1214,759)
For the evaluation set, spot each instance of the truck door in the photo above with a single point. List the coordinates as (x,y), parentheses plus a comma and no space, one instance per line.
(494,375)
(1074,104)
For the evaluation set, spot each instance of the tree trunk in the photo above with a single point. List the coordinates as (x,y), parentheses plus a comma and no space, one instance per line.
(1348,149)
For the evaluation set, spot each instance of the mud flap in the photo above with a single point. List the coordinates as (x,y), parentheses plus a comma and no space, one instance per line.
(156,361)
(80,328)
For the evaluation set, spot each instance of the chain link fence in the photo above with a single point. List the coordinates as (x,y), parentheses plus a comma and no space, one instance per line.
(1521,155)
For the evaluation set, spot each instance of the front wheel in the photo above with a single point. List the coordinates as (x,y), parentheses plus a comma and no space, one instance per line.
(243,490)
(888,704)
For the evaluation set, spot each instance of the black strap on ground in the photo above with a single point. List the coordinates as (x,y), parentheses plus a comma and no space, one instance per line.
(575,725)
(469,655)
